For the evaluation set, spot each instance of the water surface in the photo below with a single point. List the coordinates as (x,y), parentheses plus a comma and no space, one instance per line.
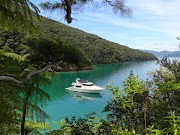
(66,104)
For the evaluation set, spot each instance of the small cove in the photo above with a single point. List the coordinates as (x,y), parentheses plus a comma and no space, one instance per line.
(67,104)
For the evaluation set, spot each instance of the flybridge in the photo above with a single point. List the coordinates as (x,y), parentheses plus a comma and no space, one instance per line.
(84,82)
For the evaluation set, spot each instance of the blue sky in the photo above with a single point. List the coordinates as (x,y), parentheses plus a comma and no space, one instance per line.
(155,24)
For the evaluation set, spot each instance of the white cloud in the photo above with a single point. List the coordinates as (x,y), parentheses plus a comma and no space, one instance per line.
(160,46)
(156,7)
(168,25)
(154,25)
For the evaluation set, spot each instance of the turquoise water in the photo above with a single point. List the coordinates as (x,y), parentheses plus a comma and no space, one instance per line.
(66,104)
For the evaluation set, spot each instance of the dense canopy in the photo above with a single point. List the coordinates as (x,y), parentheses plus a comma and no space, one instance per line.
(97,49)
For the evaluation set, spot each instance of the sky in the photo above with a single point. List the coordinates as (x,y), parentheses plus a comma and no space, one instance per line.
(154,25)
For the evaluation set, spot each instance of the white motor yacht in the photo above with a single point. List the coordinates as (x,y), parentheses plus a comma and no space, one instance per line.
(84,86)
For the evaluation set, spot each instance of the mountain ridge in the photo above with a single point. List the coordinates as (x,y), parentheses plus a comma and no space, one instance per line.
(99,50)
(164,53)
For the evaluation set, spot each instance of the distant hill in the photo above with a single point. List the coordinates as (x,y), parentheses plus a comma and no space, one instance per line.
(164,53)
(96,48)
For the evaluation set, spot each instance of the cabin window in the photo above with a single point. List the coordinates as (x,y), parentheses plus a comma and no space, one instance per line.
(88,84)
(78,86)
(82,81)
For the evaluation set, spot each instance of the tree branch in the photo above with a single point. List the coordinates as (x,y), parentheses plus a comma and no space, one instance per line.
(119,7)
(12,79)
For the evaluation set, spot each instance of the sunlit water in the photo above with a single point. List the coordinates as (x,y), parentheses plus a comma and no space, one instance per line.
(66,104)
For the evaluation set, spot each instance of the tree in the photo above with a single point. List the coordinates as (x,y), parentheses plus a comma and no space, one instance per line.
(91,125)
(15,14)
(32,96)
(42,59)
(18,15)
(128,108)
(68,6)
(27,73)
(15,97)
(166,94)
(9,103)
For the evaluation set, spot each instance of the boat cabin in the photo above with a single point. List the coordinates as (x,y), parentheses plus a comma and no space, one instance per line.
(81,81)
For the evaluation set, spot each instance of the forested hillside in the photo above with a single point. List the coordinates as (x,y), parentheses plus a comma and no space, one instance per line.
(97,49)
(28,61)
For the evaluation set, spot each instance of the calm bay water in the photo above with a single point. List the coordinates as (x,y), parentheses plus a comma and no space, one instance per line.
(66,104)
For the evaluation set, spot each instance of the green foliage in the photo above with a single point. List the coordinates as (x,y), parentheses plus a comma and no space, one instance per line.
(11,65)
(7,49)
(36,97)
(58,52)
(76,126)
(174,128)
(142,107)
(52,49)
(67,7)
(89,125)
(173,66)
(22,54)
(133,85)
(98,50)
(16,56)
(166,94)
(10,102)
(126,109)
(30,94)
(12,96)
(174,122)
(146,103)
(152,131)
(14,41)
(31,126)
(17,14)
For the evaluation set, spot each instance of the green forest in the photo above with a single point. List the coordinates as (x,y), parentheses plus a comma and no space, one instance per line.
(33,48)
(98,50)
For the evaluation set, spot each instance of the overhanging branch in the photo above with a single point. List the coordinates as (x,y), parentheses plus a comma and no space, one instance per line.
(12,79)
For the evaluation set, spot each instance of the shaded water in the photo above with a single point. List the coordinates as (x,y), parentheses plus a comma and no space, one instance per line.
(66,104)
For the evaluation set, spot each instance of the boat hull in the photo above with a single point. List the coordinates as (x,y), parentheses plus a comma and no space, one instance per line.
(85,90)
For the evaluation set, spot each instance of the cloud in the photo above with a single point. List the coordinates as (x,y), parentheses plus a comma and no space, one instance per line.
(154,25)
(160,46)
(156,7)
(167,25)
(153,15)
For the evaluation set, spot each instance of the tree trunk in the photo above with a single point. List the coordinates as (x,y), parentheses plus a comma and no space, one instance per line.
(24,111)
(145,113)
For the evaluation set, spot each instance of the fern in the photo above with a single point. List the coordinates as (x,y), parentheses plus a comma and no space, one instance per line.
(16,56)
(17,14)
(33,125)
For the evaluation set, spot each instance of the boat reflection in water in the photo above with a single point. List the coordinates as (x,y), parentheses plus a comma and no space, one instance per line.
(85,96)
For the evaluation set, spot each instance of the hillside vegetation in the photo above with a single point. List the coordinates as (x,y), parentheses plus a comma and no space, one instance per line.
(97,49)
